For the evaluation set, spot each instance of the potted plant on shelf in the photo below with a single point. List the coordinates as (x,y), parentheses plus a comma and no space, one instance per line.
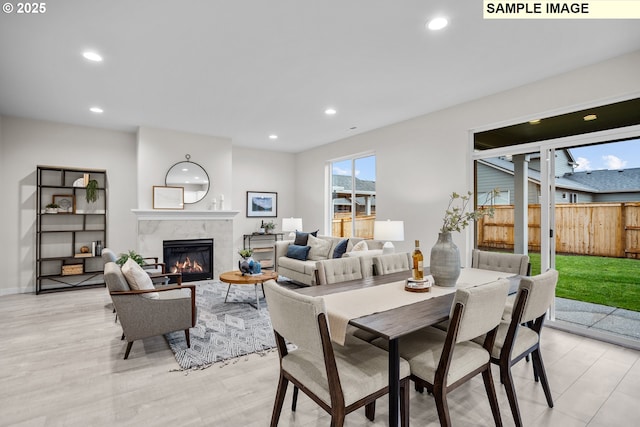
(445,256)
(92,192)
(51,208)
(269,227)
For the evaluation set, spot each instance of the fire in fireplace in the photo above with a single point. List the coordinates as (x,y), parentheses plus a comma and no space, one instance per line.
(193,258)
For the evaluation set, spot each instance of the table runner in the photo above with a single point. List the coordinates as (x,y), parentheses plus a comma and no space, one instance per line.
(344,306)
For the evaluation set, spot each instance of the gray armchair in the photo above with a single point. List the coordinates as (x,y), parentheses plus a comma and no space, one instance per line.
(174,308)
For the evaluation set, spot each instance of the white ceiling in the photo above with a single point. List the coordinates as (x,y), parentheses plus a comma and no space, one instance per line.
(245,69)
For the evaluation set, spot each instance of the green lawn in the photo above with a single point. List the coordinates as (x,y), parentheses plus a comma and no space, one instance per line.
(609,281)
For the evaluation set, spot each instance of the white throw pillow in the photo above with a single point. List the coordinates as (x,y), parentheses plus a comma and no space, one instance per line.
(319,248)
(138,279)
(360,246)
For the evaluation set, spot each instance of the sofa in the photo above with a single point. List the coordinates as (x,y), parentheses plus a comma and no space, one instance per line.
(301,269)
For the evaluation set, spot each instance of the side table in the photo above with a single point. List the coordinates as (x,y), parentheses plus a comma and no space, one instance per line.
(235,277)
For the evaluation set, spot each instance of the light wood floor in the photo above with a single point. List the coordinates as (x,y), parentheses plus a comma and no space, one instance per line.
(61,365)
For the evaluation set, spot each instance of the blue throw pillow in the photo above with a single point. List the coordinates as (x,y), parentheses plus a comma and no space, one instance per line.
(298,252)
(302,237)
(341,248)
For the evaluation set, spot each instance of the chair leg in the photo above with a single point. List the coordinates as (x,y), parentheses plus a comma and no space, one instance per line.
(491,393)
(539,366)
(122,337)
(187,337)
(126,353)
(511,396)
(440,395)
(370,411)
(277,405)
(337,418)
(294,401)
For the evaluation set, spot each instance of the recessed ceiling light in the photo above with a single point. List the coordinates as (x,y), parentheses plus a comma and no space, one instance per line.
(589,117)
(534,122)
(437,23)
(97,110)
(92,56)
(330,111)
(273,136)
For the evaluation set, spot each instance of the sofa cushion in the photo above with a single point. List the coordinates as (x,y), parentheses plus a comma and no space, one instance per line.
(302,267)
(360,246)
(340,248)
(319,248)
(298,252)
(138,279)
(302,237)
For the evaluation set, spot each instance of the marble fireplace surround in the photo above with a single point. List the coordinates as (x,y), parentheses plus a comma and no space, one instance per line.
(155,226)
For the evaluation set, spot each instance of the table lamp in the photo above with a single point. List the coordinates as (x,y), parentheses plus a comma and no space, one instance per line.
(292,225)
(388,230)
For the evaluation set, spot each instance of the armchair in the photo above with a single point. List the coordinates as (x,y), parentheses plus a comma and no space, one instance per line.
(156,270)
(171,308)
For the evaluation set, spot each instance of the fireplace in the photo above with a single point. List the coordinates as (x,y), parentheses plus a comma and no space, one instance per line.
(191,257)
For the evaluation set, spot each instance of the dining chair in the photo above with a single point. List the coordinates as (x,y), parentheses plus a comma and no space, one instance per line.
(442,361)
(340,379)
(391,263)
(519,337)
(338,270)
(498,261)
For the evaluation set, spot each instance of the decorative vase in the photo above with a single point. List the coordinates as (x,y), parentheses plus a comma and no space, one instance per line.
(445,261)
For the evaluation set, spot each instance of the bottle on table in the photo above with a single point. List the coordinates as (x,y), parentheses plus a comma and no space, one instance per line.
(417,269)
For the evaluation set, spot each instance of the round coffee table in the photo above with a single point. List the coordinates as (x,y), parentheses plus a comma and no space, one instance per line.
(235,277)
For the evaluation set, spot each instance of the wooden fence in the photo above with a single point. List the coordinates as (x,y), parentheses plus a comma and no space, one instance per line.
(341,226)
(603,229)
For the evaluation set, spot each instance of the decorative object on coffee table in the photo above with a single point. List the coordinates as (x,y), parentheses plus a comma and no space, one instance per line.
(445,255)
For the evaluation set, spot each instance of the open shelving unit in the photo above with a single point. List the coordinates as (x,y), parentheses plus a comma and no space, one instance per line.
(60,265)
(263,246)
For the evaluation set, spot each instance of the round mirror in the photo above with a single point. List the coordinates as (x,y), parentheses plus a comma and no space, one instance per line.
(192,177)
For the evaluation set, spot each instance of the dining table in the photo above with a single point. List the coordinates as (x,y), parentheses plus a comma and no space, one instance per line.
(381,306)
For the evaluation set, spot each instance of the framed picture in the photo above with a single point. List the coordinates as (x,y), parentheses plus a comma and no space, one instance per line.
(262,204)
(168,197)
(67,202)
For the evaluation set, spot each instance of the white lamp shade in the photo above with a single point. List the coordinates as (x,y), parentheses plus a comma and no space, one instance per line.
(388,230)
(291,224)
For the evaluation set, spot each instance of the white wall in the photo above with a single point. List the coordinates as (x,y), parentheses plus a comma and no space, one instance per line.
(259,170)
(159,149)
(25,144)
(421,161)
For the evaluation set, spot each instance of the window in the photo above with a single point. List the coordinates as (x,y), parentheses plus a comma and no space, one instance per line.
(353,197)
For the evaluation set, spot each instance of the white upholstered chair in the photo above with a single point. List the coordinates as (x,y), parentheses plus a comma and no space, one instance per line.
(339,378)
(442,361)
(520,336)
(392,263)
(498,261)
(338,270)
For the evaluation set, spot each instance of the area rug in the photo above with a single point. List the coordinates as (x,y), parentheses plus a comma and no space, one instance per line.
(224,331)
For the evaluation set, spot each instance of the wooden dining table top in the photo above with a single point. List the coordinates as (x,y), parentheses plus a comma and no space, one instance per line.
(398,321)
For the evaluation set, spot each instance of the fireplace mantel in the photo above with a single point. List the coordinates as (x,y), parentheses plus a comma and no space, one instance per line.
(156,226)
(159,215)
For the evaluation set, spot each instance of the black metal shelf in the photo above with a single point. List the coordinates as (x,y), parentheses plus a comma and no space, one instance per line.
(52,180)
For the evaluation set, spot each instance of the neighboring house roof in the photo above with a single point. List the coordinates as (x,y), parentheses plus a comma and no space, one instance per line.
(609,181)
(597,181)
(534,175)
